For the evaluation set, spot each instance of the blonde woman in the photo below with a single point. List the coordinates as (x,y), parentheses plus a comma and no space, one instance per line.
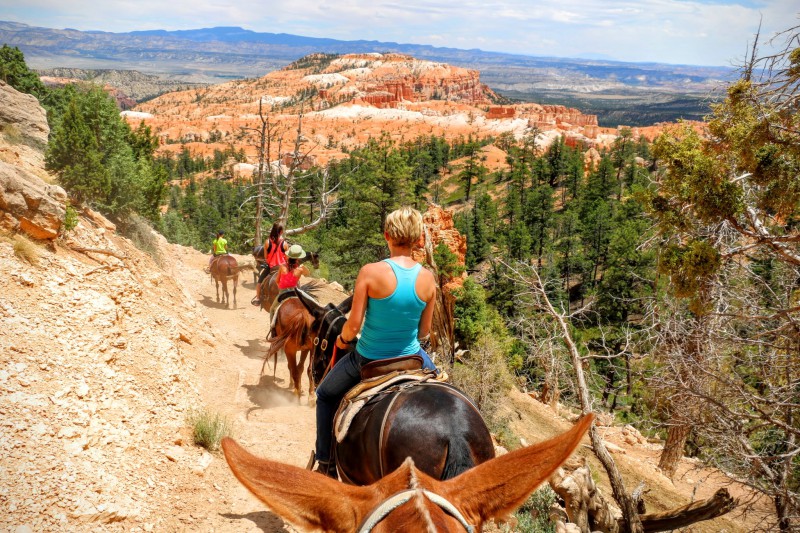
(392,308)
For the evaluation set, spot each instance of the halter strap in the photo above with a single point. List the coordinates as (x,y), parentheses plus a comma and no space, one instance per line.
(393,502)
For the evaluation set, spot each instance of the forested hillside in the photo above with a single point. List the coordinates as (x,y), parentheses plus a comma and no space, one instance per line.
(667,272)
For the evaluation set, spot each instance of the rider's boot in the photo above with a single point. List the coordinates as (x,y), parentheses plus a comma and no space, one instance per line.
(327,468)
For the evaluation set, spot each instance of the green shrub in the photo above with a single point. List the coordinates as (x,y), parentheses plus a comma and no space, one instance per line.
(70,218)
(483,376)
(141,234)
(534,515)
(504,435)
(208,428)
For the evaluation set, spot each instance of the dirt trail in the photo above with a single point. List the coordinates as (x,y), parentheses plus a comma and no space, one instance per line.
(266,416)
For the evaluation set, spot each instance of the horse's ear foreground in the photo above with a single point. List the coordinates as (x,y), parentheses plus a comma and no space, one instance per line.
(494,489)
(308,500)
(312,501)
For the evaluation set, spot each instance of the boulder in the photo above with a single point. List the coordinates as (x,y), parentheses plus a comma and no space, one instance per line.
(30,205)
(27,203)
(23,127)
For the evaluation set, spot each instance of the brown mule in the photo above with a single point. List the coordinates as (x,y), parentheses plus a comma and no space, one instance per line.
(224,268)
(406,499)
(295,332)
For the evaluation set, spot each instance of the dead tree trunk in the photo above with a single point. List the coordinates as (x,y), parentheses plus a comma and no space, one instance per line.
(675,519)
(673,448)
(588,509)
(585,505)
(632,523)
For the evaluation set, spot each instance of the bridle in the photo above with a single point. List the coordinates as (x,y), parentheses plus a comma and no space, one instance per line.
(396,500)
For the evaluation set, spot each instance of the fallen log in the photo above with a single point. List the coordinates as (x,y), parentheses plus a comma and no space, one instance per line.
(588,509)
(719,504)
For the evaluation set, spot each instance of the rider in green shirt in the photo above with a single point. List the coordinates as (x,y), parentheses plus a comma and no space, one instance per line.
(219,246)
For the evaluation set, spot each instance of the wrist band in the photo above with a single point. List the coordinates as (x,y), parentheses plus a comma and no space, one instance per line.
(351,341)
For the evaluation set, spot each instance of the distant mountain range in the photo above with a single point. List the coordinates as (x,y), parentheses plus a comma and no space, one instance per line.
(212,55)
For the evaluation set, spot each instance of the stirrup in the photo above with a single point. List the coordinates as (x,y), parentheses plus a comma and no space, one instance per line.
(327,468)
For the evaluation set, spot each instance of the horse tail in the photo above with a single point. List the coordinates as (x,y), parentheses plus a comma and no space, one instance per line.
(275,346)
(460,454)
(296,329)
(459,458)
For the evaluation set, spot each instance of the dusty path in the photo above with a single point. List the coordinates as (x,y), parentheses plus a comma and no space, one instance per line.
(266,416)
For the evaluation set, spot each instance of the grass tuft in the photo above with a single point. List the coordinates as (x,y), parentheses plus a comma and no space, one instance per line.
(208,428)
(140,232)
(11,134)
(26,250)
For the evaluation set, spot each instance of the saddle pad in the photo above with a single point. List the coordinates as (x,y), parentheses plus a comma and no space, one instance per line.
(359,395)
(282,297)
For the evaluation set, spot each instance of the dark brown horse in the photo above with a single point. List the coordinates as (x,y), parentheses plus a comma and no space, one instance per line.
(407,499)
(258,255)
(294,332)
(434,423)
(224,268)
(271,290)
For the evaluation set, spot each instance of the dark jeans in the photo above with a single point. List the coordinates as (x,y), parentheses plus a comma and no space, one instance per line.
(343,376)
(266,271)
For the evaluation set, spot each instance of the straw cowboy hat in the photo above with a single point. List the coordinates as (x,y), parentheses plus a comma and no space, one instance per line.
(296,252)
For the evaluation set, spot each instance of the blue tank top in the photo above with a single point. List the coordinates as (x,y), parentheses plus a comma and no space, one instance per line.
(391,324)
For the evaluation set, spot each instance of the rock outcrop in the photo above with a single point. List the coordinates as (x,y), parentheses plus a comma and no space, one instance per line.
(28,203)
(23,128)
(347,100)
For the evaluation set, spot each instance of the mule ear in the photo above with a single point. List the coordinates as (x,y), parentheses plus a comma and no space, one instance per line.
(308,500)
(345,306)
(497,487)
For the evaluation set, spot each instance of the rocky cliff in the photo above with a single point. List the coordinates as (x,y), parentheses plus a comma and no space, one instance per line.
(346,100)
(29,202)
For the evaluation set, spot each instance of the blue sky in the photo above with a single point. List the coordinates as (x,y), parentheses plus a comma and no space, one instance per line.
(696,32)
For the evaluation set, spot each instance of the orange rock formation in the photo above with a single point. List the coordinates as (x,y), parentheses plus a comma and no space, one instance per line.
(346,100)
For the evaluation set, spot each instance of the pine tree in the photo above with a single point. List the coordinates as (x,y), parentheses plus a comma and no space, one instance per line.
(75,157)
(539,216)
(15,72)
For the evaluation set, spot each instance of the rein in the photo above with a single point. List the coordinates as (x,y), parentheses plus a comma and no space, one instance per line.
(393,502)
(321,340)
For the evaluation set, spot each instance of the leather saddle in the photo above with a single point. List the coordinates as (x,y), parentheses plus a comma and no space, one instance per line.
(381,367)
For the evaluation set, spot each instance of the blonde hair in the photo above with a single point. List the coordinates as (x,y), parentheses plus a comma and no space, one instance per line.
(404,225)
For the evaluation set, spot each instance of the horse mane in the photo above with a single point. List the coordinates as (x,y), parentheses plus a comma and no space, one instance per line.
(312,286)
